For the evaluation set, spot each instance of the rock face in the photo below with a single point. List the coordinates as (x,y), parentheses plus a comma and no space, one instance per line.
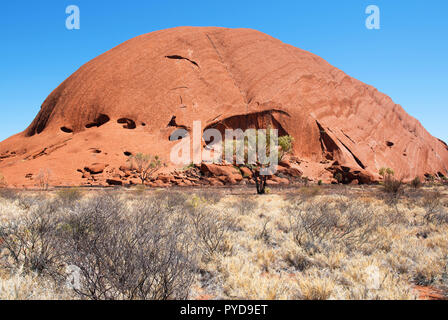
(131,98)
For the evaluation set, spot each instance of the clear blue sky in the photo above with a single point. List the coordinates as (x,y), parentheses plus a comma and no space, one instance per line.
(406,58)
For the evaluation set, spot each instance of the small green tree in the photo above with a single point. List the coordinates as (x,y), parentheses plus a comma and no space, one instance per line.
(145,165)
(386,172)
(285,143)
(259,173)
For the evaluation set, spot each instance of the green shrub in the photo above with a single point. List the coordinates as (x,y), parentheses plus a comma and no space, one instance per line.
(384,172)
(416,183)
(285,142)
(390,183)
(145,165)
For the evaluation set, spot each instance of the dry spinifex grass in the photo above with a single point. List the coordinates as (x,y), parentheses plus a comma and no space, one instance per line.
(309,245)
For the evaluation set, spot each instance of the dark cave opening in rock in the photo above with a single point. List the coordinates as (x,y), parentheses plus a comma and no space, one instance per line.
(99,121)
(66,130)
(172,122)
(178,134)
(127,123)
(257,120)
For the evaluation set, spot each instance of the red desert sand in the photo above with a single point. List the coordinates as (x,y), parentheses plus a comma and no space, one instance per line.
(131,98)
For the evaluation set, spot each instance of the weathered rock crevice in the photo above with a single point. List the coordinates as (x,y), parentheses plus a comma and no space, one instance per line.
(328,145)
(173,123)
(177,57)
(353,155)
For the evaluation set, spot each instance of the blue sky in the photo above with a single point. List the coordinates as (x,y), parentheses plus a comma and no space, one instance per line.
(406,58)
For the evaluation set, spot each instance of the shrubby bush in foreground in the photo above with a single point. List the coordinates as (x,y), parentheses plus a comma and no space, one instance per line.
(141,252)
(322,226)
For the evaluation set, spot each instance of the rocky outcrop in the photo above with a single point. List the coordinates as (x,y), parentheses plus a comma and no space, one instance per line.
(95,168)
(131,99)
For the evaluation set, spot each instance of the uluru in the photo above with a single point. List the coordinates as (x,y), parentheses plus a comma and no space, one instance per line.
(130,99)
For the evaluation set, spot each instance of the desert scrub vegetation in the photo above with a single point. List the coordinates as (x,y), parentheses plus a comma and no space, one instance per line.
(136,250)
(416,183)
(69,195)
(8,194)
(145,165)
(391,184)
(318,227)
(343,242)
(43,178)
(142,254)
